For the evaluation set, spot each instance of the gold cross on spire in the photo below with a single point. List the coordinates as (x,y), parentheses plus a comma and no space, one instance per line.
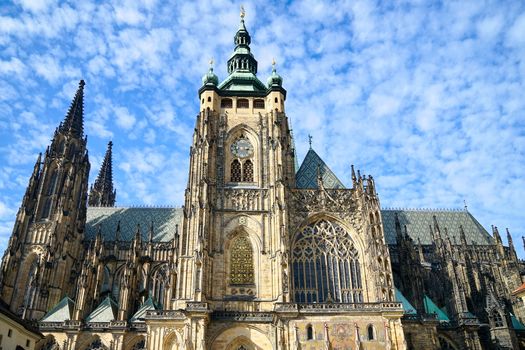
(243,13)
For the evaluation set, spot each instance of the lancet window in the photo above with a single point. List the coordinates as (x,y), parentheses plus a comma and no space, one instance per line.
(325,265)
(241,262)
(160,280)
(236,171)
(247,171)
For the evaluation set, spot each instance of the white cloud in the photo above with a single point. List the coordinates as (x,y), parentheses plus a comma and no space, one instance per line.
(124,118)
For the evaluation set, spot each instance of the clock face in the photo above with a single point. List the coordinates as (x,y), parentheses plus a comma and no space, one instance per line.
(242,148)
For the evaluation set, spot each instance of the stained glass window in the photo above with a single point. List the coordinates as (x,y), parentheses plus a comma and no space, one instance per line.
(236,171)
(241,261)
(325,265)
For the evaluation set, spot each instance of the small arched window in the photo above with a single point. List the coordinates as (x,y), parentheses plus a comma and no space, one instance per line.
(209,98)
(370,332)
(276,100)
(247,171)
(243,103)
(259,103)
(309,332)
(226,103)
(498,320)
(241,262)
(236,171)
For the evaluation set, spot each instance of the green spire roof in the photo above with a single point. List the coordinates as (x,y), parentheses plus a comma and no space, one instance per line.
(311,168)
(149,304)
(105,312)
(63,311)
(409,309)
(431,308)
(274,79)
(242,65)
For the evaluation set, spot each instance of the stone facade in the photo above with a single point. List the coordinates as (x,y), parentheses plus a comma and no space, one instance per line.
(261,256)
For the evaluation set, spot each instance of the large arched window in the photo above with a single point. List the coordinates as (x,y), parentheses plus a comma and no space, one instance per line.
(160,280)
(241,262)
(325,265)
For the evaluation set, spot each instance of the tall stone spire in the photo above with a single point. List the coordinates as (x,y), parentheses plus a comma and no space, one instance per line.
(74,120)
(50,221)
(102,193)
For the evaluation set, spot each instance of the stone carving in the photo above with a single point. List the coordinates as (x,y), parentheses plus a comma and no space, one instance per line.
(244,199)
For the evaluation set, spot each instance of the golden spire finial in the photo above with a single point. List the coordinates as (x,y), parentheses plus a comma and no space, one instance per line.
(243,13)
(211,62)
(273,62)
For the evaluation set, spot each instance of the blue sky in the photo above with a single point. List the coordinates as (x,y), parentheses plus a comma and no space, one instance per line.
(428,97)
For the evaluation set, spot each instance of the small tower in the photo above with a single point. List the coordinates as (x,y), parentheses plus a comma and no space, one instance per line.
(38,268)
(101,193)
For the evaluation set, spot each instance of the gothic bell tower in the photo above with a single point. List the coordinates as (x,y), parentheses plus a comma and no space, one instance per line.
(232,252)
(40,263)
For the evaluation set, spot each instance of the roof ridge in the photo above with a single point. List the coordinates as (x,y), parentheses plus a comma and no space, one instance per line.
(424,209)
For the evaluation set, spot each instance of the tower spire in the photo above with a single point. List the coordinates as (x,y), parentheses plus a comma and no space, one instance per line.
(74,120)
(102,193)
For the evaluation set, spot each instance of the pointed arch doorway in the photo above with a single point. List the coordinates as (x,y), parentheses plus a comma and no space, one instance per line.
(242,338)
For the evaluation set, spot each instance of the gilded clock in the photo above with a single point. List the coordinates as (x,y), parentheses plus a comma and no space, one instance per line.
(241,148)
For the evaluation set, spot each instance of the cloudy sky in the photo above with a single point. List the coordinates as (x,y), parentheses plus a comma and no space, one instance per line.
(428,97)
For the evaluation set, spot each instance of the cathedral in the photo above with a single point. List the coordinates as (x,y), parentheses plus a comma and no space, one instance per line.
(263,254)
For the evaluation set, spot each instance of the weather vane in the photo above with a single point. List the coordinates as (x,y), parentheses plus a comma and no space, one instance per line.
(243,13)
(310,140)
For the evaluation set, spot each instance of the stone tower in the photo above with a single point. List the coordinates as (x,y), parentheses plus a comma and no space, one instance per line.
(260,258)
(42,257)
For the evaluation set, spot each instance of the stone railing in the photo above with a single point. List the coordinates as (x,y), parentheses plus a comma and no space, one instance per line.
(337,307)
(242,316)
(196,306)
(247,199)
(68,324)
(165,315)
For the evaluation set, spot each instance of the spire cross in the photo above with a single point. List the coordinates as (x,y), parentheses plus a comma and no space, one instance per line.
(211,62)
(310,140)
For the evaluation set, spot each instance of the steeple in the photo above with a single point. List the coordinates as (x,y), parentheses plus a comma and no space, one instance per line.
(74,120)
(102,193)
(242,59)
(242,65)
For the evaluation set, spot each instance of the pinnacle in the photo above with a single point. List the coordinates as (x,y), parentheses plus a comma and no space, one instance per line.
(102,193)
(74,120)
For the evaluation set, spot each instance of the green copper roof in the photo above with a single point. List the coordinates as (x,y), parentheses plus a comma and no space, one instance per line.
(164,221)
(105,312)
(409,309)
(242,81)
(61,312)
(418,221)
(306,177)
(431,308)
(516,324)
(149,304)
